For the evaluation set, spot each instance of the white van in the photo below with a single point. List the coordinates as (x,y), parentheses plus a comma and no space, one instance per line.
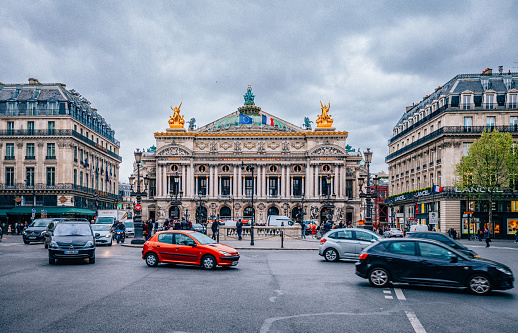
(277,221)
(418,228)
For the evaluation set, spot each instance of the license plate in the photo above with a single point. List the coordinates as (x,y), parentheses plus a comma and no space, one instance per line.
(32,237)
(234,263)
(71,252)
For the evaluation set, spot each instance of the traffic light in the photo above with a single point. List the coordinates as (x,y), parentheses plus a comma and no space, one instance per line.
(120,206)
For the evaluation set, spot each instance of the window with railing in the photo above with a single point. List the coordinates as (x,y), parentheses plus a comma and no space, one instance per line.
(249,186)
(513,123)
(9,176)
(490,100)
(51,176)
(29,151)
(51,151)
(490,123)
(273,188)
(9,151)
(29,176)
(10,127)
(225,185)
(30,127)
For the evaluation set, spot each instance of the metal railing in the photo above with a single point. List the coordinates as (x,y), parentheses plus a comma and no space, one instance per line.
(67,186)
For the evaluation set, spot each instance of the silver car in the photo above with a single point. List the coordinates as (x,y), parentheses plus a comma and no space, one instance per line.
(393,232)
(105,234)
(130,228)
(346,243)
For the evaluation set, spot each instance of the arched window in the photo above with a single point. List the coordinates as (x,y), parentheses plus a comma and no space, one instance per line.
(225,212)
(273,211)
(248,212)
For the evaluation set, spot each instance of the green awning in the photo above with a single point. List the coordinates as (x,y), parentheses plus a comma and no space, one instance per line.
(51,210)
(3,212)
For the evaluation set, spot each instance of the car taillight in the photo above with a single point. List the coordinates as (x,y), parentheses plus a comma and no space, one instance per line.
(363,256)
(392,231)
(322,241)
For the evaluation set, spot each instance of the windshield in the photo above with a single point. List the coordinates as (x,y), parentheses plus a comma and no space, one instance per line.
(100,227)
(129,224)
(107,220)
(40,223)
(202,239)
(72,229)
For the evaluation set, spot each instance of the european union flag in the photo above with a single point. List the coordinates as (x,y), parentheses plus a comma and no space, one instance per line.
(243,119)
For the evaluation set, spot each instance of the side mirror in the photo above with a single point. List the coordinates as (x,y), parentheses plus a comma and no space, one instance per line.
(374,240)
(454,258)
(97,235)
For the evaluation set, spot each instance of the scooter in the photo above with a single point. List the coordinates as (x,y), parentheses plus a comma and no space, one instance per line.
(120,235)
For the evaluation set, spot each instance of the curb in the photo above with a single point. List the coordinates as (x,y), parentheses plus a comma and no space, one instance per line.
(244,248)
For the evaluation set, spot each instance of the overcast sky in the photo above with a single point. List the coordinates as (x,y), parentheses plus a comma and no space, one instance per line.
(134,59)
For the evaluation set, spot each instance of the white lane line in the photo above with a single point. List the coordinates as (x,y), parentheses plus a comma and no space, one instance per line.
(399,294)
(387,291)
(389,297)
(416,324)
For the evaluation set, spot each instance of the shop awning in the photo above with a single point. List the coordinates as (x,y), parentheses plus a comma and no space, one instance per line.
(51,210)
(3,212)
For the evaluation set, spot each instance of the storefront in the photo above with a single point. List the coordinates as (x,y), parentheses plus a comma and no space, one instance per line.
(475,217)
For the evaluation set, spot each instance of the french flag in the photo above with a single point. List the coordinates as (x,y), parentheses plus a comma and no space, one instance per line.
(437,188)
(267,120)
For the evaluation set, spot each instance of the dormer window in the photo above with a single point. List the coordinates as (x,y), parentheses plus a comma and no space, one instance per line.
(466,102)
(490,100)
(485,84)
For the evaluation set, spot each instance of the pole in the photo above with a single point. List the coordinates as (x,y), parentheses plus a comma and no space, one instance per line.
(139,236)
(253,209)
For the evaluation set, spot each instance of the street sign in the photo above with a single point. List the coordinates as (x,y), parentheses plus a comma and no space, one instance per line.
(138,207)
(33,210)
(433,217)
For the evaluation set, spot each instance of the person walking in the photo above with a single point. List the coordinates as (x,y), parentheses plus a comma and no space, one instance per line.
(184,224)
(303,230)
(239,229)
(488,237)
(215,228)
(313,230)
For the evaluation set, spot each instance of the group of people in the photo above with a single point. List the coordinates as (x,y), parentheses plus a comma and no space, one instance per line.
(15,229)
(321,229)
(177,224)
(452,233)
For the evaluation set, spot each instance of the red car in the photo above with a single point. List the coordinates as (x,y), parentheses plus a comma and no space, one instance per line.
(188,247)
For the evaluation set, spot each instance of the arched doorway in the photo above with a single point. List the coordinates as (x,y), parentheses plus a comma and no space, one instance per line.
(174,213)
(326,213)
(225,213)
(201,214)
(296,214)
(273,211)
(248,212)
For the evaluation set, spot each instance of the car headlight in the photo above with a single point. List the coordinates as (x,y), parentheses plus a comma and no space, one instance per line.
(224,253)
(108,235)
(504,270)
(24,232)
(89,244)
(53,244)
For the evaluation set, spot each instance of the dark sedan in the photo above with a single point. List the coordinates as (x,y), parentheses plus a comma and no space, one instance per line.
(72,240)
(36,231)
(427,262)
(445,239)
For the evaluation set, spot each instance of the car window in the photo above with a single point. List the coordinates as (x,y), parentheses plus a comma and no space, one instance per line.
(181,239)
(364,236)
(73,229)
(407,248)
(434,251)
(50,226)
(166,238)
(343,234)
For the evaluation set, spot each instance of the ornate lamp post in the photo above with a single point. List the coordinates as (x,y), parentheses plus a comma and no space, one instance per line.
(139,236)
(368,216)
(376,182)
(328,199)
(251,168)
(174,195)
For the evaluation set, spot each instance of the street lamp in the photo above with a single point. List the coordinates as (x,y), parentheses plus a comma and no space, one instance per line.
(368,215)
(139,235)
(376,182)
(174,196)
(232,198)
(328,199)
(251,168)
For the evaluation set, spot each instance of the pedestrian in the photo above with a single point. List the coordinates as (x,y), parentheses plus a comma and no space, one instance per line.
(184,224)
(214,227)
(454,232)
(479,234)
(177,225)
(156,226)
(327,226)
(303,230)
(516,236)
(189,225)
(239,229)
(341,225)
(488,237)
(9,229)
(145,230)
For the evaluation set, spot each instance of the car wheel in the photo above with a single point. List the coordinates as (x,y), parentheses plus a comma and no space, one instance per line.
(91,260)
(52,261)
(208,262)
(379,277)
(331,254)
(26,242)
(152,260)
(111,242)
(479,284)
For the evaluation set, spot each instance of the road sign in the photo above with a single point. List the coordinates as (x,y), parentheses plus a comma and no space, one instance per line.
(33,210)
(433,217)
(138,207)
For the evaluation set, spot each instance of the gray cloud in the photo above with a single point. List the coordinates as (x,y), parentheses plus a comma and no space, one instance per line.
(133,60)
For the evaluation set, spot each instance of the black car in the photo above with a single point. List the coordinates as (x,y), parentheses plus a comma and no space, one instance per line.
(36,231)
(72,240)
(427,262)
(47,235)
(445,239)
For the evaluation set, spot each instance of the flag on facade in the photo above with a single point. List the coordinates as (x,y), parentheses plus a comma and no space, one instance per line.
(267,120)
(85,164)
(437,188)
(244,119)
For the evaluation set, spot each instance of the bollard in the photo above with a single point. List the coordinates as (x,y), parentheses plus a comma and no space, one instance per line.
(282,239)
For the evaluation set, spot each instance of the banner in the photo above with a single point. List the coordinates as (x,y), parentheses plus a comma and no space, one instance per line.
(246,120)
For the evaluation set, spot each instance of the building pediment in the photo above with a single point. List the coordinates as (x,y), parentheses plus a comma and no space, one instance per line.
(328,150)
(173,150)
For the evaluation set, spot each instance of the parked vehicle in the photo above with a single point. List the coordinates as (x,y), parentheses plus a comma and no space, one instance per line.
(345,243)
(418,228)
(279,220)
(72,240)
(393,232)
(199,228)
(130,228)
(36,231)
(188,247)
(427,262)
(445,239)
(105,220)
(105,234)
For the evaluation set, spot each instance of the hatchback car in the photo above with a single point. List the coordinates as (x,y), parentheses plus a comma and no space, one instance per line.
(188,247)
(345,243)
(437,236)
(105,234)
(72,240)
(130,228)
(36,231)
(427,262)
(393,232)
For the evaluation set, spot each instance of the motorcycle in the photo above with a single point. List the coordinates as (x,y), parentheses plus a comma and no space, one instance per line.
(120,235)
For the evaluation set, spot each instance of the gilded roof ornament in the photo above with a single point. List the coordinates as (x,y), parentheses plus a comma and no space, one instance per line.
(176,120)
(324,120)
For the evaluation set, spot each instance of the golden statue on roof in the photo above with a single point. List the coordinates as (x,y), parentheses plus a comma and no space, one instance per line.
(176,120)
(325,120)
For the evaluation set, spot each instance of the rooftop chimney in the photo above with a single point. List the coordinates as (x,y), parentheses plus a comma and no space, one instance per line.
(487,71)
(500,69)
(33,81)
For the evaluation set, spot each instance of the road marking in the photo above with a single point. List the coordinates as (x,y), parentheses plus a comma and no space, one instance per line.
(389,297)
(387,291)
(399,294)
(416,324)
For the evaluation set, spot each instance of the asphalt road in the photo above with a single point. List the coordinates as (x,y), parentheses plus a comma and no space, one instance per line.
(269,291)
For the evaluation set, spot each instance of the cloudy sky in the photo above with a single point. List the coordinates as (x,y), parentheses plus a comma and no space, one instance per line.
(369,59)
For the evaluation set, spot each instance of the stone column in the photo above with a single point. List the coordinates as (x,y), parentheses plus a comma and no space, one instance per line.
(235,182)
(336,187)
(158,180)
(216,180)
(259,180)
(182,188)
(307,181)
(288,182)
(283,183)
(316,192)
(264,181)
(239,183)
